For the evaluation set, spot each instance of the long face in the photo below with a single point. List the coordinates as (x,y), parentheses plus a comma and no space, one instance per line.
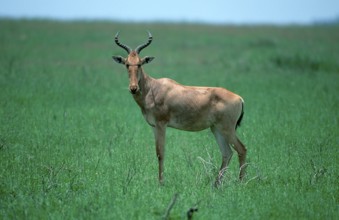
(133,63)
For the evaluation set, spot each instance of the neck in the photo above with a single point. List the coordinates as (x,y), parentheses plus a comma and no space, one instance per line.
(145,88)
(144,82)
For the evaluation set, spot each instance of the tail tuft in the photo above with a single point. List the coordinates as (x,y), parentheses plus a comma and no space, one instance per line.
(241,116)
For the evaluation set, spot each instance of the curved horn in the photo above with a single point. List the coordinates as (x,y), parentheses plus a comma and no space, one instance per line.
(142,46)
(125,47)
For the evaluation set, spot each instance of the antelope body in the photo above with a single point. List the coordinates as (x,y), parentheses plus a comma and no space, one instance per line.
(166,103)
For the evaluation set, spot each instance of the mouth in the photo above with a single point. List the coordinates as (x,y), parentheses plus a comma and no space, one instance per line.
(134,91)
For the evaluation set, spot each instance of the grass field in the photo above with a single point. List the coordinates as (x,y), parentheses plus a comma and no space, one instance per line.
(74,145)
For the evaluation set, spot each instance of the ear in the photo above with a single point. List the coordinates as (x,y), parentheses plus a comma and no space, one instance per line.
(119,59)
(146,59)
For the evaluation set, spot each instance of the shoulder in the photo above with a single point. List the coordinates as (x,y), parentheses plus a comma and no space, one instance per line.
(167,81)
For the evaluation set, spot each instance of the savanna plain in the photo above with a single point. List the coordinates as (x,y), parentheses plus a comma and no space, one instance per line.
(74,145)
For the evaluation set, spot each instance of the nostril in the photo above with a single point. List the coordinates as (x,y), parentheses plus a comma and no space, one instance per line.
(133,89)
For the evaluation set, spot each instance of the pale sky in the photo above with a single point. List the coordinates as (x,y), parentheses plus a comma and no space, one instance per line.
(209,11)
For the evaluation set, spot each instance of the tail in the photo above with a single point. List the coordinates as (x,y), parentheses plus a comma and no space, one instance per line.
(241,116)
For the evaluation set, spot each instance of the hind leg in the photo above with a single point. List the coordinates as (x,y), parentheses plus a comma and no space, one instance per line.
(240,148)
(226,153)
(228,138)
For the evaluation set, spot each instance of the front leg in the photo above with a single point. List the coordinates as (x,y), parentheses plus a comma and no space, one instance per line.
(159,135)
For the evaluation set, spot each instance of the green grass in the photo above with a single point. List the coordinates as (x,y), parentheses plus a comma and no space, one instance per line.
(74,145)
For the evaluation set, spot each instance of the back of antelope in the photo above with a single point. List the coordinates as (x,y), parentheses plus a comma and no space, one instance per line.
(166,103)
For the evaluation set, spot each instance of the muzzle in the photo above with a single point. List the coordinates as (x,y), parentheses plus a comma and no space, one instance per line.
(133,89)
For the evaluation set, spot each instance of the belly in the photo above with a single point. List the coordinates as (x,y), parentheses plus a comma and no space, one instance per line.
(182,122)
(190,122)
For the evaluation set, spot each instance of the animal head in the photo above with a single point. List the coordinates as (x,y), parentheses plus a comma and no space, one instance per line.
(133,62)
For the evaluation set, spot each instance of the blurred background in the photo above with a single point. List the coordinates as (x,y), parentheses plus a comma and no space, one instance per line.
(212,11)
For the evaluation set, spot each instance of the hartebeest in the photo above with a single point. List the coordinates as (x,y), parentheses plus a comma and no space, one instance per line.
(166,103)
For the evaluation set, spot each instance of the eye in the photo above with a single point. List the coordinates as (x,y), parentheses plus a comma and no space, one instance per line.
(139,65)
(127,66)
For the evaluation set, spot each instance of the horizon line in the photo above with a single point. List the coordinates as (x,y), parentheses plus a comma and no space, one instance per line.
(334,21)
